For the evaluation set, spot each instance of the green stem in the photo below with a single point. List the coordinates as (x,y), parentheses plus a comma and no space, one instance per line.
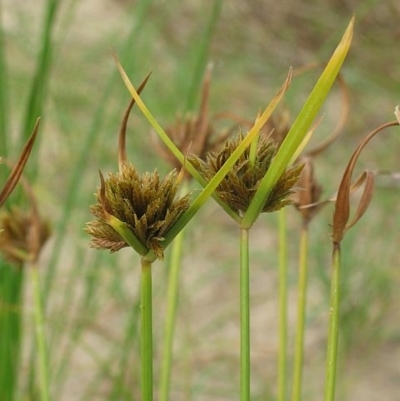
(11,305)
(301,316)
(172,301)
(146,332)
(40,335)
(333,334)
(282,357)
(244,316)
(40,81)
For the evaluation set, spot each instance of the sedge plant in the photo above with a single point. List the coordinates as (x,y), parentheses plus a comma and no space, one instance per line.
(341,224)
(11,281)
(140,211)
(275,180)
(24,234)
(112,233)
(307,203)
(137,210)
(309,195)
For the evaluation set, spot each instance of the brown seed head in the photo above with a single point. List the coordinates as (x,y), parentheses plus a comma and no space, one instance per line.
(146,204)
(23,235)
(196,133)
(240,184)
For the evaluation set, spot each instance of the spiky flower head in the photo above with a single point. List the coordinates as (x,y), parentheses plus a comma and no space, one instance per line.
(241,183)
(144,204)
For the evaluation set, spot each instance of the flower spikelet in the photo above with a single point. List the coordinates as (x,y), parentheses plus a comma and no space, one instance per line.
(241,183)
(145,203)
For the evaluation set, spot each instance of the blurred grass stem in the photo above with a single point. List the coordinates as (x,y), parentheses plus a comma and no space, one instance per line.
(244,316)
(146,341)
(301,315)
(282,356)
(40,334)
(174,270)
(333,333)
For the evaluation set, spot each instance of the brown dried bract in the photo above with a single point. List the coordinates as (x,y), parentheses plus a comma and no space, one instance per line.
(124,123)
(342,205)
(19,167)
(306,199)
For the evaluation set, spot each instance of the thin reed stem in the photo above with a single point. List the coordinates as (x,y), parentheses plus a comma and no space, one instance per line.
(146,341)
(172,302)
(40,81)
(11,300)
(282,356)
(301,315)
(244,316)
(40,334)
(333,334)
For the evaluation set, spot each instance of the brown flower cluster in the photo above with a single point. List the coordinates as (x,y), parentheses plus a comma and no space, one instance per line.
(241,183)
(145,203)
(196,133)
(23,235)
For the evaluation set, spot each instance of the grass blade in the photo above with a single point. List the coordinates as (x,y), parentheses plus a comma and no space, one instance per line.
(300,127)
(4,109)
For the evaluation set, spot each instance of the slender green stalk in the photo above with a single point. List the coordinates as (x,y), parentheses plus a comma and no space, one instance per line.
(172,302)
(11,290)
(40,335)
(244,316)
(282,357)
(146,332)
(301,316)
(333,334)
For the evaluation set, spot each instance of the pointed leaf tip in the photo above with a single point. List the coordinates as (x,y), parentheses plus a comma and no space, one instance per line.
(19,166)
(342,205)
(124,123)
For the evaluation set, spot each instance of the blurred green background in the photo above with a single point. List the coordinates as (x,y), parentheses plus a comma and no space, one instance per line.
(91,297)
